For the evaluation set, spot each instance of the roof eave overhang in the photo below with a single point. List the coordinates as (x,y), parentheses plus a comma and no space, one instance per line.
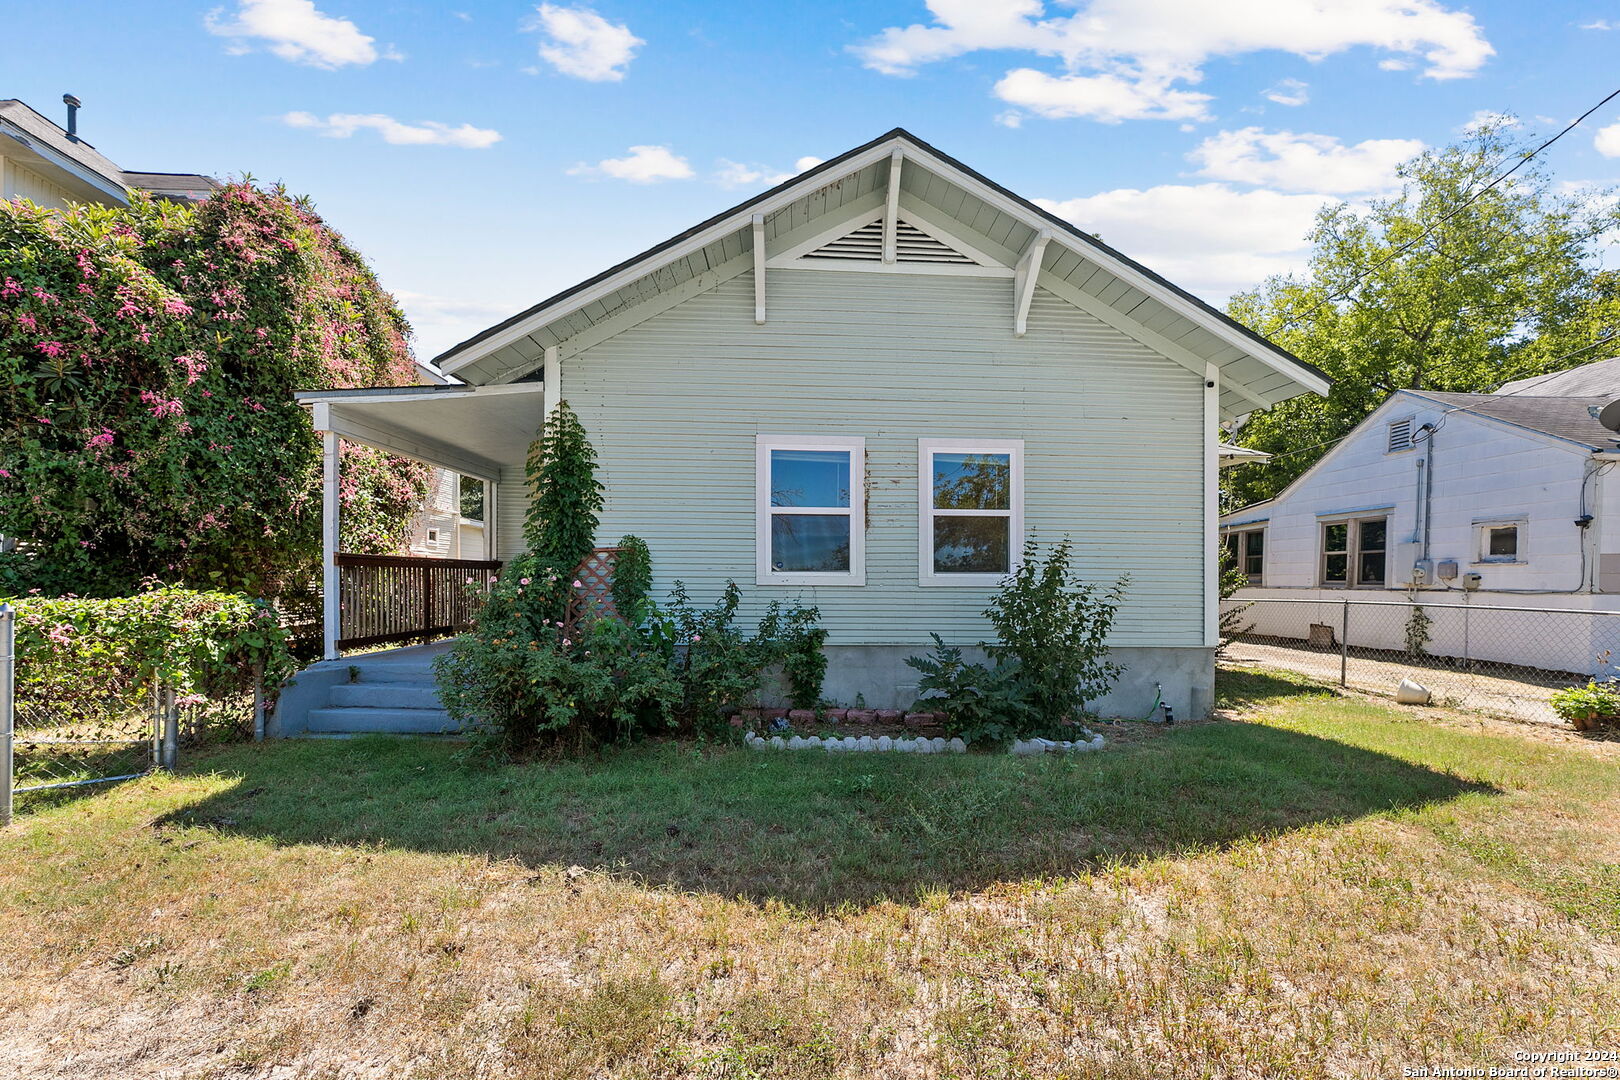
(740,217)
(85,176)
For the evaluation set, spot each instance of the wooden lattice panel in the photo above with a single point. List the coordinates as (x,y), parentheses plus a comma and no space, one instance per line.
(594,597)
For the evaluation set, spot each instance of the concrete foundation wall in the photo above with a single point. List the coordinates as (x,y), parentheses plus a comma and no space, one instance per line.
(880,677)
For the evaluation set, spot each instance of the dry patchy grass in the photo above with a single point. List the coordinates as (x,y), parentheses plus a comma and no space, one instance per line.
(1321,886)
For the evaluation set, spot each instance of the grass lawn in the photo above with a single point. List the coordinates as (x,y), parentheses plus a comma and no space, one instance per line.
(1315,885)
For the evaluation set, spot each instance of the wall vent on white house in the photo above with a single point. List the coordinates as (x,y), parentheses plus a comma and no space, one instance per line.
(912,245)
(1400,435)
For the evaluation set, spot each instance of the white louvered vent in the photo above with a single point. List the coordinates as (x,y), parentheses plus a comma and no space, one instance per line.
(912,245)
(1400,435)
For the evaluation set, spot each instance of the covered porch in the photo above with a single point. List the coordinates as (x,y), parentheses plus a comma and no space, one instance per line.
(481,432)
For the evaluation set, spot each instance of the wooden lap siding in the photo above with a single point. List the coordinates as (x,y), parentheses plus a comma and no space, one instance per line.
(1113,440)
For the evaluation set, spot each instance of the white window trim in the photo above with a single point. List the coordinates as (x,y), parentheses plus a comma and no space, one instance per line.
(1482,534)
(764,573)
(1242,533)
(1352,552)
(926,449)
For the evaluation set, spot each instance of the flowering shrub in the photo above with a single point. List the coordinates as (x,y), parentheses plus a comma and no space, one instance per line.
(147,361)
(524,677)
(1588,706)
(199,643)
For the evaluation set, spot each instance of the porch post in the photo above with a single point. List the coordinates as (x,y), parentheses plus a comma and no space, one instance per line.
(331,608)
(1212,506)
(552,380)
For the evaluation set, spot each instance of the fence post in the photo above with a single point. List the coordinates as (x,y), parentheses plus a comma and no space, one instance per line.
(8,710)
(1344,642)
(171,730)
(258,702)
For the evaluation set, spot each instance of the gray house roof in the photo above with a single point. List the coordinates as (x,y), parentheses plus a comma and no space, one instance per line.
(1599,378)
(31,138)
(1573,419)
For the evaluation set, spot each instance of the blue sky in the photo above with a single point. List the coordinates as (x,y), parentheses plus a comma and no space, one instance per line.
(485,154)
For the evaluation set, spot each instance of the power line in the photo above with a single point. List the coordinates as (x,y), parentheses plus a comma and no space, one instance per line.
(1456,409)
(1344,293)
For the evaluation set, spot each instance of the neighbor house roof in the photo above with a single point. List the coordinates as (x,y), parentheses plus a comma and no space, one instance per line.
(1599,378)
(930,185)
(39,143)
(1573,419)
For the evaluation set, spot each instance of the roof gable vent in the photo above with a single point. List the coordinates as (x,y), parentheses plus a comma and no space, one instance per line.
(912,245)
(1400,435)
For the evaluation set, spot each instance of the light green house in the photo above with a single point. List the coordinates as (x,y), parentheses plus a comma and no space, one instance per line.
(862,389)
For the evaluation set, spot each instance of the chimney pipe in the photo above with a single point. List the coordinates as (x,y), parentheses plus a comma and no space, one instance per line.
(73,116)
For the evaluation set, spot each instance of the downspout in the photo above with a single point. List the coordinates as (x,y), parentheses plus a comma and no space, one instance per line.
(1426,478)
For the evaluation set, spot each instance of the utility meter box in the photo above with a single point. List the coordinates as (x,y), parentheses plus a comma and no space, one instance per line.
(1422,572)
(1446,569)
(1470,581)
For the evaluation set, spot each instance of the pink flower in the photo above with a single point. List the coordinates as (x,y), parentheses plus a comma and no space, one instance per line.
(52,348)
(578,584)
(27,322)
(176,307)
(104,438)
(696,638)
(521,581)
(469,581)
(61,634)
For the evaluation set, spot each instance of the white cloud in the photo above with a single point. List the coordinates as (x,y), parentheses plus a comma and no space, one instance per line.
(427,133)
(1393,64)
(1209,238)
(296,31)
(642,165)
(1302,162)
(1601,24)
(439,322)
(583,44)
(1488,118)
(1123,59)
(1607,141)
(731,174)
(1105,98)
(1289,92)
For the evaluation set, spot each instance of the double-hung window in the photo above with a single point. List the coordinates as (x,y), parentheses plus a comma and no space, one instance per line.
(1355,552)
(971,527)
(1246,550)
(810,499)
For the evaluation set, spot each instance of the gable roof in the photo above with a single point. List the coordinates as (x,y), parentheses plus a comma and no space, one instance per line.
(1599,378)
(1077,266)
(1570,418)
(38,142)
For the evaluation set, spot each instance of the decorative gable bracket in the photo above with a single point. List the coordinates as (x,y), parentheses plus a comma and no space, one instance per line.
(861,243)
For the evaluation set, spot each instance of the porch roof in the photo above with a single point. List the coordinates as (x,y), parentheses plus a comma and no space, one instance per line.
(474,430)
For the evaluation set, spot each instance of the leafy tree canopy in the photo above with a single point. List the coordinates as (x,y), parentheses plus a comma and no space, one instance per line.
(1427,290)
(148,358)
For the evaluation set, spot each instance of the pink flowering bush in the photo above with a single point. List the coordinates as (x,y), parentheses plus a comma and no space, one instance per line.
(148,357)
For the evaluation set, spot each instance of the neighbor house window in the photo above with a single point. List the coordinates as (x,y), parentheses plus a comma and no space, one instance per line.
(1501,541)
(1246,550)
(433,536)
(811,510)
(971,493)
(1355,552)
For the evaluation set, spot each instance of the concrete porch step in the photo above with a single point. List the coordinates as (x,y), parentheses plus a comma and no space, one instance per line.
(398,721)
(396,673)
(386,695)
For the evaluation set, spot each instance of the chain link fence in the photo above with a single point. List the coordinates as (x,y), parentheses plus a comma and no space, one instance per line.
(65,732)
(1505,660)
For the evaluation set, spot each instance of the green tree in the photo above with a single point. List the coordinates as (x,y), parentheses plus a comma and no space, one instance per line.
(1427,290)
(564,494)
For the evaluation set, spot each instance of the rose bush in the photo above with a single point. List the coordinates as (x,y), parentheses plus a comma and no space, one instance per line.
(148,357)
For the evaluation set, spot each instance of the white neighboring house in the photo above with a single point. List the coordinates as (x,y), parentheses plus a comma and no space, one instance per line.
(53,166)
(1508,499)
(440,529)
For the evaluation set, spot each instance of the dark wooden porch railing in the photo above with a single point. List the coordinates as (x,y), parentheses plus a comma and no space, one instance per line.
(387,598)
